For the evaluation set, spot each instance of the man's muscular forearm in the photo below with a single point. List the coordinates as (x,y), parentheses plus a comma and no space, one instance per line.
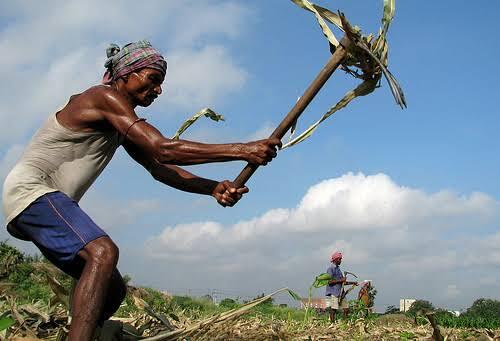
(182,152)
(183,180)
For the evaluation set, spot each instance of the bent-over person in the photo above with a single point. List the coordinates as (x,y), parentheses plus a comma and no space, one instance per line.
(70,150)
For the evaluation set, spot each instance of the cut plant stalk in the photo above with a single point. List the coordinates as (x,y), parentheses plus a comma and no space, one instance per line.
(333,63)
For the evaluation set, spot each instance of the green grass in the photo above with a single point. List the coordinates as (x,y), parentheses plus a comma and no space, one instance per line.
(467,321)
(406,336)
(28,283)
(447,319)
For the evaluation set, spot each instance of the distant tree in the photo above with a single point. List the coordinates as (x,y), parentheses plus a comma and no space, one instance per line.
(420,306)
(484,307)
(127,279)
(10,258)
(269,301)
(207,298)
(228,303)
(392,309)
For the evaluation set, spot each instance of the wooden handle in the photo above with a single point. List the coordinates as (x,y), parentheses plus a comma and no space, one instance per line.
(333,63)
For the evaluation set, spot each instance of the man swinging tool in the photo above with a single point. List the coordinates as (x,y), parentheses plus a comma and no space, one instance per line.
(72,148)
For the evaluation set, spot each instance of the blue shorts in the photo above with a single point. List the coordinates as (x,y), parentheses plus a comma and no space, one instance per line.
(59,228)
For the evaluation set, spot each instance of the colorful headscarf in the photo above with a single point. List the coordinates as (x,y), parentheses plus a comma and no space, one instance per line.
(131,57)
(336,256)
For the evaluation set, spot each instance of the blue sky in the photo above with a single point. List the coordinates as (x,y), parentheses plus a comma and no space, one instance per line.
(409,195)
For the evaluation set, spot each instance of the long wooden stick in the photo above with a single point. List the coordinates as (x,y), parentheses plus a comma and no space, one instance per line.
(333,63)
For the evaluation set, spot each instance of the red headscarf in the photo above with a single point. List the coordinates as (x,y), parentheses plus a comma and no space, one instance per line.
(131,57)
(336,256)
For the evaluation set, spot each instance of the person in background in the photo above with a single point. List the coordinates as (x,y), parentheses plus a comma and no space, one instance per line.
(334,299)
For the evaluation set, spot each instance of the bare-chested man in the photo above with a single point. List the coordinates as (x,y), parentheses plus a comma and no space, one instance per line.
(72,148)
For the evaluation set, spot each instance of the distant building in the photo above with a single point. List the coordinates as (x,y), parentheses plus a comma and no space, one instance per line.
(405,304)
(316,303)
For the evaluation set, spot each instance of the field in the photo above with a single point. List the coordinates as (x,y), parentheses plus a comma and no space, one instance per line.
(34,299)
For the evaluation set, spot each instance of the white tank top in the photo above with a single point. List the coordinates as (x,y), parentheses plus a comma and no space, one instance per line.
(57,159)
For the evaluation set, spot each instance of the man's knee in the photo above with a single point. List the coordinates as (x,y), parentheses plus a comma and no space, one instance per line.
(101,251)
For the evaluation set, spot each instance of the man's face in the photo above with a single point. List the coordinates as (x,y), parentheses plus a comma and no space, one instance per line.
(338,261)
(144,86)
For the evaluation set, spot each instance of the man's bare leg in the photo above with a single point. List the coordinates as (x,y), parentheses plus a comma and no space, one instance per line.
(101,257)
(346,312)
(116,294)
(332,315)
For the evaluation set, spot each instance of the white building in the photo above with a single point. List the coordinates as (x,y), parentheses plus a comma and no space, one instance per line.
(405,304)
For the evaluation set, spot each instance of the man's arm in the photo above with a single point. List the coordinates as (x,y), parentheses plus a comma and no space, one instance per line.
(336,281)
(342,280)
(224,192)
(162,150)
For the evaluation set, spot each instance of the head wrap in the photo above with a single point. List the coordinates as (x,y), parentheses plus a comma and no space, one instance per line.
(131,57)
(336,256)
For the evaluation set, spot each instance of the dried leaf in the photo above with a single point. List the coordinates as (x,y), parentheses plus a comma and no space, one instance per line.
(139,302)
(32,310)
(229,315)
(174,317)
(207,112)
(320,19)
(58,289)
(361,90)
(389,10)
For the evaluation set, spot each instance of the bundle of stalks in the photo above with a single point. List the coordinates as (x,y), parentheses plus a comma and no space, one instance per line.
(368,58)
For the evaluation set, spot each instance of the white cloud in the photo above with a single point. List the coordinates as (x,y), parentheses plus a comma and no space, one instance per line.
(58,49)
(227,19)
(59,26)
(342,206)
(110,213)
(490,251)
(488,280)
(452,291)
(197,78)
(387,232)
